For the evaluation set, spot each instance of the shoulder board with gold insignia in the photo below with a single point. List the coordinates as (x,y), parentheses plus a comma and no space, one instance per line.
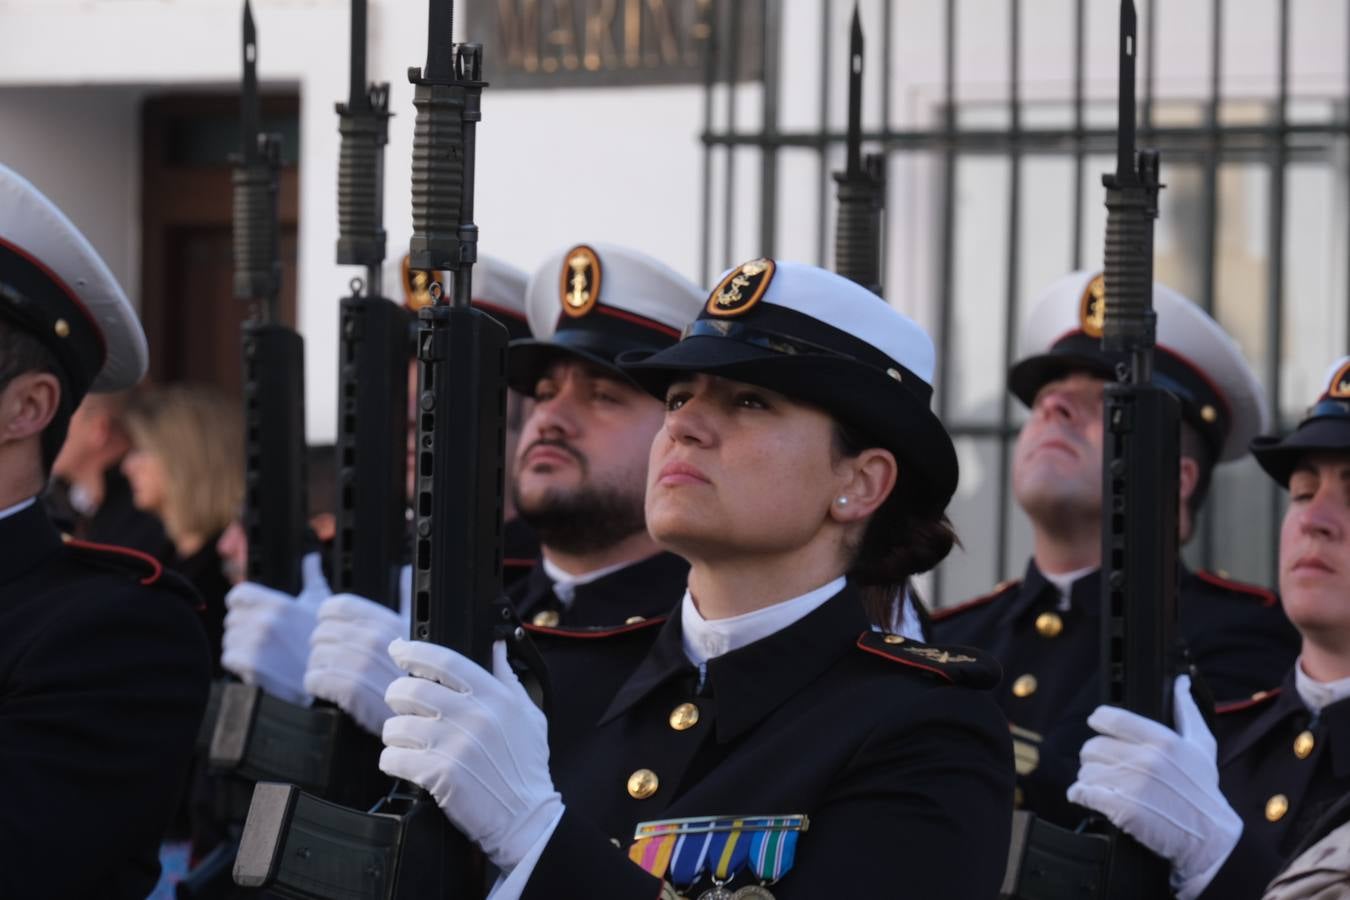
(999,590)
(1257,699)
(960,665)
(593,632)
(1265,596)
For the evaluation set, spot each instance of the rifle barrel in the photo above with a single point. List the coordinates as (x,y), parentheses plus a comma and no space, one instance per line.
(357,98)
(1125,135)
(249,114)
(855,74)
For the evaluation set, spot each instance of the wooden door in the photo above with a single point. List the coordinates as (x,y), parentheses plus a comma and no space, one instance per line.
(191,317)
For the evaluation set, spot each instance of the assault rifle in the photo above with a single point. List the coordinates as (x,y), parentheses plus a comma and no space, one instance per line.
(274,445)
(862,187)
(298,845)
(1141,459)
(373,353)
(318,747)
(1140,466)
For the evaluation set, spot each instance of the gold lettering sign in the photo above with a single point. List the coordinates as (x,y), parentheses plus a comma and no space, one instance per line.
(577,43)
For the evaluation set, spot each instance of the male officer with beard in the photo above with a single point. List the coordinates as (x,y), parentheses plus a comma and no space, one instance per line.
(579,472)
(581,469)
(1045,628)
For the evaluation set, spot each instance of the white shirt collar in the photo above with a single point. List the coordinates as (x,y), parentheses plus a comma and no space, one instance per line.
(1317,695)
(565,585)
(17,508)
(708,639)
(1063,582)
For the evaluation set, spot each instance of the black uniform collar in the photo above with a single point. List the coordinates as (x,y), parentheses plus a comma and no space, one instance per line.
(1035,588)
(649,587)
(29,538)
(1288,705)
(749,683)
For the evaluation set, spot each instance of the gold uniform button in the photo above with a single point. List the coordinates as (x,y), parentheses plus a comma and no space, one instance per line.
(633,620)
(1024,686)
(546,619)
(1276,807)
(684,717)
(642,784)
(893,639)
(62,328)
(1049,624)
(1303,745)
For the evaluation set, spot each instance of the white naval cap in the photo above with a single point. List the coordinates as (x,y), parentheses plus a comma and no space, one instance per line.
(818,337)
(498,290)
(595,301)
(54,285)
(1195,359)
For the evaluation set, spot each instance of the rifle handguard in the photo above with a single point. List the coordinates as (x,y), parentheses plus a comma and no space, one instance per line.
(257,261)
(361,235)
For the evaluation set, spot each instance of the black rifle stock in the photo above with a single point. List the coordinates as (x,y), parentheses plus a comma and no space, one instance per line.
(299,845)
(372,354)
(1141,460)
(862,187)
(274,443)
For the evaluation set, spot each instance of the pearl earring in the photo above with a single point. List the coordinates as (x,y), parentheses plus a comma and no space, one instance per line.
(842,501)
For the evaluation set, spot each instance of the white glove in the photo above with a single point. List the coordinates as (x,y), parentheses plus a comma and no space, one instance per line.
(266,638)
(1161,787)
(476,742)
(349,662)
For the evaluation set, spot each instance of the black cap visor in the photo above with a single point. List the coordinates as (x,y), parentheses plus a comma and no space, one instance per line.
(855,393)
(1279,456)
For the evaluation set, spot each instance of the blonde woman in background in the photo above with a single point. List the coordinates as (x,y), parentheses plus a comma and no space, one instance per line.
(186,466)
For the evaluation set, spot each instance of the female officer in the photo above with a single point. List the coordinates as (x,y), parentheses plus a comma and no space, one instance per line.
(767,739)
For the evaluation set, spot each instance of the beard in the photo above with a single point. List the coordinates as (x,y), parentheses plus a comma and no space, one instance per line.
(583,520)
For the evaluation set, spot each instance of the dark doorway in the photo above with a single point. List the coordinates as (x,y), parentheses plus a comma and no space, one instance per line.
(191,317)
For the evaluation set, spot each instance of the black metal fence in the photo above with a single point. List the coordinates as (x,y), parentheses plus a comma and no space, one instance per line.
(991,198)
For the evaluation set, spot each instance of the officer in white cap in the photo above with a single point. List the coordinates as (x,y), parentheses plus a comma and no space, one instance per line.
(577,477)
(582,461)
(765,740)
(1275,785)
(104,666)
(1044,628)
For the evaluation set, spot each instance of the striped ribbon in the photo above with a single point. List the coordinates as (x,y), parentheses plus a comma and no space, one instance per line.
(723,844)
(653,853)
(728,851)
(773,851)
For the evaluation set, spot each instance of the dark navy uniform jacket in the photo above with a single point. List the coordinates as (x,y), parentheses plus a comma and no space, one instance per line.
(104,673)
(648,588)
(895,750)
(1237,635)
(1282,769)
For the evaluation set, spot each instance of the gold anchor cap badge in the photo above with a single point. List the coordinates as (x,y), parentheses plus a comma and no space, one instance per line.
(1092,308)
(579,284)
(741,289)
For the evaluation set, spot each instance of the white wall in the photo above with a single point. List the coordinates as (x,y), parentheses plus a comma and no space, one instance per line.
(81,147)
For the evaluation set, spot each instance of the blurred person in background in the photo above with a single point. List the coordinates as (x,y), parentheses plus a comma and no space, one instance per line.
(186,466)
(89,498)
